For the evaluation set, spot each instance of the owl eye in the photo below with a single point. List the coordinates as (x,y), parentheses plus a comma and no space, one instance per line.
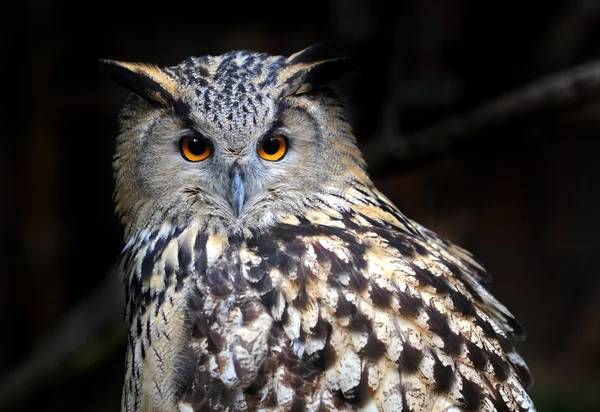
(272,148)
(195,149)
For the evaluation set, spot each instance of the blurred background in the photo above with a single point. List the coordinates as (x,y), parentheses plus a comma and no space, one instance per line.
(451,101)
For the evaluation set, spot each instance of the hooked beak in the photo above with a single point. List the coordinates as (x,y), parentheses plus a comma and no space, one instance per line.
(238,191)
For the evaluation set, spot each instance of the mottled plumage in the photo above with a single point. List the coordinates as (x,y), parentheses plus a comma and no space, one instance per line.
(290,284)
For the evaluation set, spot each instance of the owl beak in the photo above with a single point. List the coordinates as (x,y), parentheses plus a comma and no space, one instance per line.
(238,192)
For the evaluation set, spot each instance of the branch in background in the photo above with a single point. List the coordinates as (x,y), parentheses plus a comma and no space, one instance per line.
(68,348)
(558,92)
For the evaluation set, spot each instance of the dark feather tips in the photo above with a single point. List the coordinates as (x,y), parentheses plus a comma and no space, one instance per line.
(147,81)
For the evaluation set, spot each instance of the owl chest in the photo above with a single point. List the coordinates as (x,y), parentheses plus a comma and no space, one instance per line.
(180,292)
(213,309)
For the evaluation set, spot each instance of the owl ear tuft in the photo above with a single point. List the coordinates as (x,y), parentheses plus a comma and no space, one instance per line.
(316,66)
(331,49)
(147,81)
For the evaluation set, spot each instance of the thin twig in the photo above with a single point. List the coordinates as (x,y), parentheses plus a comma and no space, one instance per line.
(558,92)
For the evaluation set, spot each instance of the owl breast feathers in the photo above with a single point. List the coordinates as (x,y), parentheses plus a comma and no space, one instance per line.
(264,271)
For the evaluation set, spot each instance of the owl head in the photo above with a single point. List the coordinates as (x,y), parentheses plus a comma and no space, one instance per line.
(231,142)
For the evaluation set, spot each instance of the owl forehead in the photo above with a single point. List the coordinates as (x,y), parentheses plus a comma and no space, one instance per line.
(236,93)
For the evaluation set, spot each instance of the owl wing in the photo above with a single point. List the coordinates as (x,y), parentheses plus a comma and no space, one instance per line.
(370,316)
(478,278)
(346,310)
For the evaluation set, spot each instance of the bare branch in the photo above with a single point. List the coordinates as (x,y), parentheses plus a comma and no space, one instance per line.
(558,92)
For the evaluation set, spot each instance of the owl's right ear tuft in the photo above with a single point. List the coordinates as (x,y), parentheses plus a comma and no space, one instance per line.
(147,81)
(315,66)
(333,49)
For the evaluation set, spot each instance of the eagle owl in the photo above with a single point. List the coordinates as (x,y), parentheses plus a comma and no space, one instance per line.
(263,269)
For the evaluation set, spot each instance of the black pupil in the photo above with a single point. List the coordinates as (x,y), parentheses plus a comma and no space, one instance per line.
(197,146)
(271,145)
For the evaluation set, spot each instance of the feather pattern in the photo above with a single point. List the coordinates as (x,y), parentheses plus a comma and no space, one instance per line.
(317,293)
(336,309)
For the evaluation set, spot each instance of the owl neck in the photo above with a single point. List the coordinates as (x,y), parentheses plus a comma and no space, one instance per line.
(327,207)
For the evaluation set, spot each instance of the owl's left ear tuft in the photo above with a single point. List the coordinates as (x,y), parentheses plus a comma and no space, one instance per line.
(314,67)
(147,81)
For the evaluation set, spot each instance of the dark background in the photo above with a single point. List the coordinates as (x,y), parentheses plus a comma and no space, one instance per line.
(523,195)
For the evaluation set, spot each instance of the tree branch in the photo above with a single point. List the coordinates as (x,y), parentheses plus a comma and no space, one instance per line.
(558,92)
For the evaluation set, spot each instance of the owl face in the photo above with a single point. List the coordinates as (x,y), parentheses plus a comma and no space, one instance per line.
(232,140)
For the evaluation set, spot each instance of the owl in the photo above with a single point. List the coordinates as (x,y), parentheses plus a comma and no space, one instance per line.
(265,271)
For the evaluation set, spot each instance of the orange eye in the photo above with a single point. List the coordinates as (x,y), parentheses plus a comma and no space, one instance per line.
(195,149)
(272,148)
